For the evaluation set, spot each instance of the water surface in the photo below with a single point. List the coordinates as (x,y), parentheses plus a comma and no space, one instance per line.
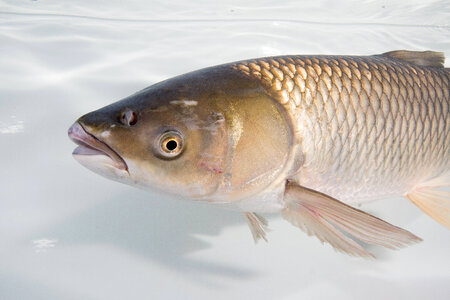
(66,233)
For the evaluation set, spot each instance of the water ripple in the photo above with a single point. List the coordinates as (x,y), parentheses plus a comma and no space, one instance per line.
(223,20)
(16,126)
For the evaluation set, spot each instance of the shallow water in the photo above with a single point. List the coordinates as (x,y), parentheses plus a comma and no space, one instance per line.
(67,233)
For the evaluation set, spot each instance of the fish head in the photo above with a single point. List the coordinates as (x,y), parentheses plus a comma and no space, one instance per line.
(199,136)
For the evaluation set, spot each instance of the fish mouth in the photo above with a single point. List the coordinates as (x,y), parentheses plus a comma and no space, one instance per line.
(88,144)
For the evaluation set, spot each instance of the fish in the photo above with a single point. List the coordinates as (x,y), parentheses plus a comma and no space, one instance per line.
(304,136)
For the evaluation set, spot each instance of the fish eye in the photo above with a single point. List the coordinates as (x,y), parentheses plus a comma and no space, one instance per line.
(128,117)
(170,144)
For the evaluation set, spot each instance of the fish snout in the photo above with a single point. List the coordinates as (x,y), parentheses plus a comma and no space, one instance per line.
(76,132)
(88,144)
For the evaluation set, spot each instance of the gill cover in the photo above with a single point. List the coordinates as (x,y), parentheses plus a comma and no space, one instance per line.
(259,140)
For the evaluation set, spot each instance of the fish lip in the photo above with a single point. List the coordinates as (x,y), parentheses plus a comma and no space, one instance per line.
(80,136)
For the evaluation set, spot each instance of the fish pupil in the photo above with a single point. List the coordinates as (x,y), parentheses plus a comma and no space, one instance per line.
(171,145)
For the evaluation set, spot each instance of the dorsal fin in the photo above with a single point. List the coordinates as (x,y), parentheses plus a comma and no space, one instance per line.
(421,58)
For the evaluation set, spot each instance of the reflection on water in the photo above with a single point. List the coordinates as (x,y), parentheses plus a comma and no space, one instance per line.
(14,126)
(42,245)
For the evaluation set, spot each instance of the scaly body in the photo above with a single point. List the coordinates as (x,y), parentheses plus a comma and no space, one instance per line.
(369,127)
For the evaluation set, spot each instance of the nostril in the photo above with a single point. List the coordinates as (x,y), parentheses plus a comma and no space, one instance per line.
(128,117)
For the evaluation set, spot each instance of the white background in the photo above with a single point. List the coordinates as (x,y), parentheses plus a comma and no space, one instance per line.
(67,233)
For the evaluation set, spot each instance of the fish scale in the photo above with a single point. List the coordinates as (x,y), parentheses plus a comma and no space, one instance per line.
(370,127)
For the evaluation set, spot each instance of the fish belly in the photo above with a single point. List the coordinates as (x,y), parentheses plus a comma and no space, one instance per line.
(368,127)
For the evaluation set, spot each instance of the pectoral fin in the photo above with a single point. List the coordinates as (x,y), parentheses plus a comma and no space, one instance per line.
(327,218)
(258,226)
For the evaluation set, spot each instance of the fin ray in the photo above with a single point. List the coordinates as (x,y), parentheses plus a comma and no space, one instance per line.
(324,231)
(323,216)
(258,226)
(434,203)
(421,58)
